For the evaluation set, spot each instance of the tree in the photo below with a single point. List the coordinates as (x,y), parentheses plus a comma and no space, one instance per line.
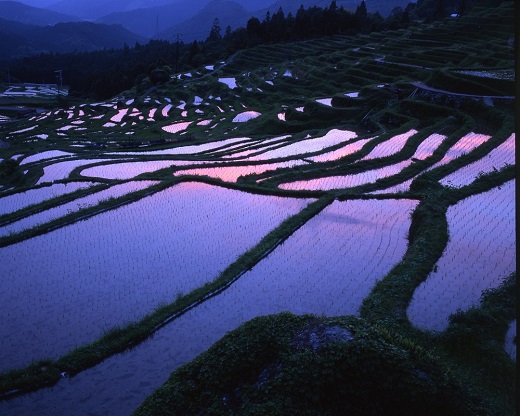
(216,32)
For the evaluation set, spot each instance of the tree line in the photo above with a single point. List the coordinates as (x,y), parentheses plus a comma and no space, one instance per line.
(105,73)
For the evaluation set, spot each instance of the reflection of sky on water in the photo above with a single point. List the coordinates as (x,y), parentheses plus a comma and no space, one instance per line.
(62,170)
(79,203)
(496,159)
(510,344)
(12,203)
(465,145)
(342,152)
(177,127)
(480,254)
(424,150)
(391,146)
(113,268)
(126,170)
(50,154)
(232,173)
(326,267)
(184,150)
(347,181)
(467,174)
(332,138)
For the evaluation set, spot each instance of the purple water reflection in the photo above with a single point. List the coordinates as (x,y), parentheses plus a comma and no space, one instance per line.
(62,170)
(424,150)
(332,138)
(126,170)
(391,146)
(73,206)
(480,254)
(50,154)
(347,181)
(12,203)
(232,173)
(326,267)
(496,159)
(342,152)
(465,145)
(510,343)
(113,268)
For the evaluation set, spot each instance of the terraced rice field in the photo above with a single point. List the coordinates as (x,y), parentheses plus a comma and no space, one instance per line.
(204,201)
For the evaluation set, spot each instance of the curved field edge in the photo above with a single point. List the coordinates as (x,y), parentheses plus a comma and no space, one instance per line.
(47,372)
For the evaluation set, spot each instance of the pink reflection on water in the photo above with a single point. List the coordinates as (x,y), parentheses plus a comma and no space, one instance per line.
(496,159)
(480,254)
(347,181)
(465,145)
(265,144)
(114,268)
(332,138)
(232,173)
(166,110)
(428,146)
(344,151)
(391,146)
(187,150)
(424,150)
(176,127)
(126,170)
(119,116)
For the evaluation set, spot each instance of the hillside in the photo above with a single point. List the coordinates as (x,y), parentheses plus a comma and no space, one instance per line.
(21,13)
(228,13)
(20,40)
(94,9)
(144,21)
(310,227)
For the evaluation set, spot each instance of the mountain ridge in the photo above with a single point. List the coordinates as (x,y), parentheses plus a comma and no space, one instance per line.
(19,40)
(22,13)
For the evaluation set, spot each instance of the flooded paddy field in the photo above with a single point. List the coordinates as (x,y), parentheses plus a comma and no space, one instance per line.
(481,253)
(118,266)
(184,212)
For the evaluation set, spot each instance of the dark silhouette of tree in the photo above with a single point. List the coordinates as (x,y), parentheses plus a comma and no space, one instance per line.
(216,32)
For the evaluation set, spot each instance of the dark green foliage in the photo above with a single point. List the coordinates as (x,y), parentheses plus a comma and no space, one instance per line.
(284,364)
(37,375)
(9,172)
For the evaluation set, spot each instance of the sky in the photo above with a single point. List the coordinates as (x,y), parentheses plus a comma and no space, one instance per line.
(46,3)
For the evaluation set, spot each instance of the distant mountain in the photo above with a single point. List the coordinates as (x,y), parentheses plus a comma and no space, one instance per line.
(252,5)
(95,9)
(19,40)
(229,13)
(145,22)
(19,12)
